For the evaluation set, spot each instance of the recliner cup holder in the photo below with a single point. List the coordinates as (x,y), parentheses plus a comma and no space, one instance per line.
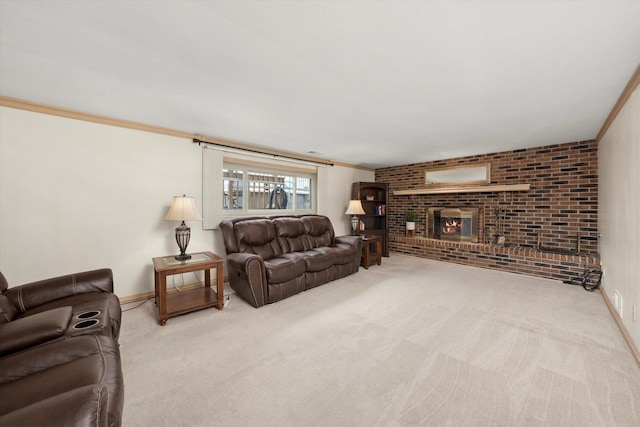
(86,324)
(88,314)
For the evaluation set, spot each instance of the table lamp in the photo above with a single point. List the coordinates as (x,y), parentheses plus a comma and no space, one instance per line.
(355,209)
(183,209)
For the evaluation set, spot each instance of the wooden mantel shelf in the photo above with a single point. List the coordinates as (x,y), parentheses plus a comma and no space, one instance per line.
(465,189)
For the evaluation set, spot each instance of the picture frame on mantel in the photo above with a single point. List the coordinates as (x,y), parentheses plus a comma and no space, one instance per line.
(477,174)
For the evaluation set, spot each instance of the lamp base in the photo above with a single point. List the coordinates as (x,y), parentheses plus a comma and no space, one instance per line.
(183,235)
(354,225)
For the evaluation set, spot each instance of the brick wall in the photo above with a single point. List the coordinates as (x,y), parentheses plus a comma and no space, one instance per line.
(562,202)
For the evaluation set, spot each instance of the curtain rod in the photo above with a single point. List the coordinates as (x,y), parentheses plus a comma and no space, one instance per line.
(200,141)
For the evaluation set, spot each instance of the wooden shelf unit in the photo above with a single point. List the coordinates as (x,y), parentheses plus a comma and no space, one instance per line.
(374,195)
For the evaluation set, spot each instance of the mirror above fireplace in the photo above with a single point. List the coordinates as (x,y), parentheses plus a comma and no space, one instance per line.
(475,178)
(459,175)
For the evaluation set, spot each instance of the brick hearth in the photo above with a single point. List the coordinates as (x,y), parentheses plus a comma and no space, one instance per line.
(513,259)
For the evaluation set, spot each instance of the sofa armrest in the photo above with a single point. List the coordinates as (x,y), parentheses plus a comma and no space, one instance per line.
(240,260)
(355,241)
(37,293)
(248,277)
(33,330)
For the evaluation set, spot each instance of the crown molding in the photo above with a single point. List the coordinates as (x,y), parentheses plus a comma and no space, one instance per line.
(93,118)
(624,96)
(77,115)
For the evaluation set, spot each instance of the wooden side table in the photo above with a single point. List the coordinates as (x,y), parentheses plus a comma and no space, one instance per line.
(192,299)
(371,250)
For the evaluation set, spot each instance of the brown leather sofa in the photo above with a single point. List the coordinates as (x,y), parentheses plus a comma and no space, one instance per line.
(272,258)
(59,357)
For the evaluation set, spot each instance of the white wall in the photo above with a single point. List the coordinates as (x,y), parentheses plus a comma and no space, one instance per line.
(619,211)
(76,195)
(335,191)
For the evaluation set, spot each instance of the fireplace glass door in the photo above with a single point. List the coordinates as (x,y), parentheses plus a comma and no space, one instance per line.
(454,224)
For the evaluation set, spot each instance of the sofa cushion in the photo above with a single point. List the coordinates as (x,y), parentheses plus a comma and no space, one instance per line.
(291,233)
(284,268)
(82,406)
(33,330)
(318,259)
(257,236)
(8,311)
(40,373)
(319,230)
(27,362)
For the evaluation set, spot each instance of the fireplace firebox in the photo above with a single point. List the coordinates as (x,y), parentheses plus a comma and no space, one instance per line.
(453,224)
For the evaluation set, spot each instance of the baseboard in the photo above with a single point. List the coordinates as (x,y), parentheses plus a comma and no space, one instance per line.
(623,329)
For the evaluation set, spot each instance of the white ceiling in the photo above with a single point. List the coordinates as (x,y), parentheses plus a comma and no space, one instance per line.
(371,83)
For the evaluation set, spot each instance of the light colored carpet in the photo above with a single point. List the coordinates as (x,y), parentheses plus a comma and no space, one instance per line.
(410,342)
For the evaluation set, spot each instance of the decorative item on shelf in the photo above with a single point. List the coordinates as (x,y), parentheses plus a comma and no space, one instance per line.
(411,217)
(183,209)
(355,209)
(368,198)
(380,210)
(501,216)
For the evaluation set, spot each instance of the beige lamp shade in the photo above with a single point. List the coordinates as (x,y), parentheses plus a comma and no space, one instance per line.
(183,208)
(355,208)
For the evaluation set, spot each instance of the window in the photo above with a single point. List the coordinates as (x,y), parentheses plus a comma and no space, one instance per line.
(235,185)
(259,190)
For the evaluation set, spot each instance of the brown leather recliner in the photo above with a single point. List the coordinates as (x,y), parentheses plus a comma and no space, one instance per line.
(272,258)
(29,309)
(59,357)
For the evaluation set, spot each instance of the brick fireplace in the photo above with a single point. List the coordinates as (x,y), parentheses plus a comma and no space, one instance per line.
(561,205)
